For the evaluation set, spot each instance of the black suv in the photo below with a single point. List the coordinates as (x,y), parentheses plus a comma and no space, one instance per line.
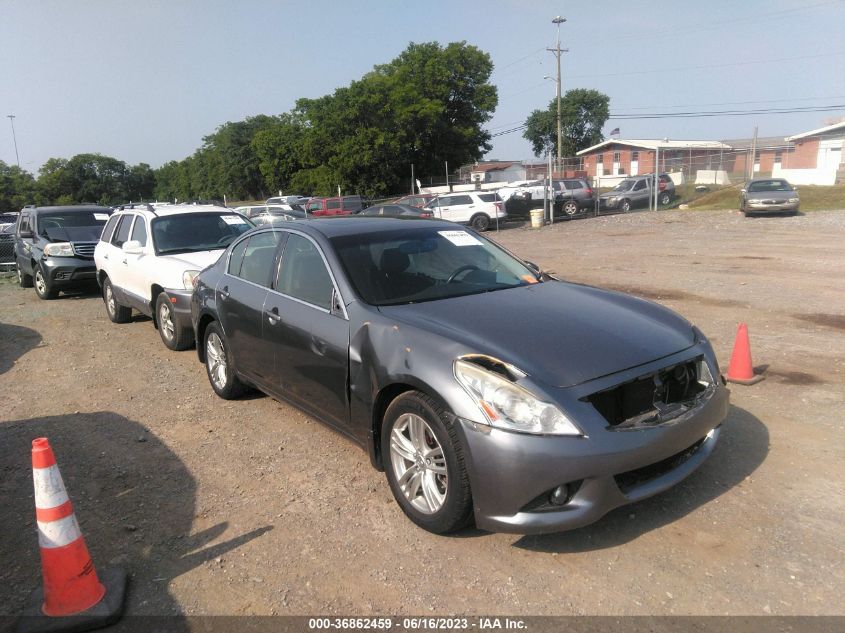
(54,247)
(572,196)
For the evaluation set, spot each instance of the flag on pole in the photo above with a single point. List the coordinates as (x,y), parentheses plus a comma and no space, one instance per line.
(614,131)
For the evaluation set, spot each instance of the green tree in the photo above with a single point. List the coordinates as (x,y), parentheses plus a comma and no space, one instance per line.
(280,152)
(141,182)
(583,113)
(17,188)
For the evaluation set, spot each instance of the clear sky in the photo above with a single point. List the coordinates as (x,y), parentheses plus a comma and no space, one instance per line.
(145,81)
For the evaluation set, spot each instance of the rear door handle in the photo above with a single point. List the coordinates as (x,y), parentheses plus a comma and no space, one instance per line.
(105,256)
(124,262)
(273,316)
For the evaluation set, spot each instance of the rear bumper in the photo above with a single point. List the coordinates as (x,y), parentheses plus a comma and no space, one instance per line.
(509,472)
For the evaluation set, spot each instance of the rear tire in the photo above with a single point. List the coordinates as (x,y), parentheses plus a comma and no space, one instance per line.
(24,280)
(664,198)
(424,464)
(42,285)
(116,312)
(480,222)
(570,208)
(219,366)
(173,335)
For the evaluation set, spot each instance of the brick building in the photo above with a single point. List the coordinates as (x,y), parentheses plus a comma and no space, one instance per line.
(631,157)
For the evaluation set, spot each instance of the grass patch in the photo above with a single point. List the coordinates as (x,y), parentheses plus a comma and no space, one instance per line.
(813,198)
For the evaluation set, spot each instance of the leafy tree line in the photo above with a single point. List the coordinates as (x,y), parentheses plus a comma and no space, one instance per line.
(91,178)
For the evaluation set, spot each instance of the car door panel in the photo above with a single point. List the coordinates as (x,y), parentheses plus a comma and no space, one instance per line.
(310,342)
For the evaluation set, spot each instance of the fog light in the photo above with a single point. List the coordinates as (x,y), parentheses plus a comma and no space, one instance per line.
(560,496)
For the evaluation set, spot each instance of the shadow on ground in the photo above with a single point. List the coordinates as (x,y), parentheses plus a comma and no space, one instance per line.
(134,499)
(743,446)
(15,341)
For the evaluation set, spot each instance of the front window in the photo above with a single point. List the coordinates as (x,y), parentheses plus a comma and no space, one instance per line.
(409,266)
(190,232)
(769,185)
(625,185)
(65,226)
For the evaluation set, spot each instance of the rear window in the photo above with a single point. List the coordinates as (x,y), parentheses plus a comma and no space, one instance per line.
(107,232)
(332,204)
(573,184)
(489,197)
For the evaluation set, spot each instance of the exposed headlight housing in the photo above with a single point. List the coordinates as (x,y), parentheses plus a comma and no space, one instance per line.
(188,278)
(59,249)
(793,200)
(508,406)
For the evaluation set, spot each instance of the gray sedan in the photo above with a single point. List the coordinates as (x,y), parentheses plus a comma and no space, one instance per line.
(484,388)
(768,195)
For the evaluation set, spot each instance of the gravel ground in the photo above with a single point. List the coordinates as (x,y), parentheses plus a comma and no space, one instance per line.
(252,507)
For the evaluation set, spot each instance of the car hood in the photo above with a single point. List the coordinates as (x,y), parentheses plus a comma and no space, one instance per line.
(561,334)
(614,194)
(772,195)
(194,261)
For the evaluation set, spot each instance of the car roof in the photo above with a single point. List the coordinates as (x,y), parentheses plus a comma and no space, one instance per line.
(69,209)
(180,209)
(338,226)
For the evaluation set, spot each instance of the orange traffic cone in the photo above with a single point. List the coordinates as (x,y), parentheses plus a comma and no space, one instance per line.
(741,370)
(73,597)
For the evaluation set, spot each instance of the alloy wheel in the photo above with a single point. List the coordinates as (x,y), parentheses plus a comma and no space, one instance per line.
(40,283)
(215,355)
(111,306)
(165,321)
(418,463)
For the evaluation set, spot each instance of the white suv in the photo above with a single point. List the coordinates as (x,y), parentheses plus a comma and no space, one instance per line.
(148,257)
(476,208)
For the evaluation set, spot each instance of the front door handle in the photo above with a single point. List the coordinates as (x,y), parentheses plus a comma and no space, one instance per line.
(105,256)
(225,292)
(124,262)
(273,316)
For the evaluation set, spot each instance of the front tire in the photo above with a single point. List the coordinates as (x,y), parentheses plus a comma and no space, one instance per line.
(116,312)
(480,222)
(570,208)
(625,205)
(424,464)
(24,280)
(43,288)
(173,335)
(219,365)
(664,198)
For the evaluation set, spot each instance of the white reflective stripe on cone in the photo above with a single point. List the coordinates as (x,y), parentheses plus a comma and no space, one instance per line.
(58,533)
(49,487)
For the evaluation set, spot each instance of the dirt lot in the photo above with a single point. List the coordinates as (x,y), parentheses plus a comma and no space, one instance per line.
(250,507)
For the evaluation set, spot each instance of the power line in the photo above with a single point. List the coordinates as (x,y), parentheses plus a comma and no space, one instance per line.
(702,114)
(724,103)
(710,66)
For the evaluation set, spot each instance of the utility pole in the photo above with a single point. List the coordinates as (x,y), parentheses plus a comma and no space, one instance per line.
(447,174)
(753,154)
(412,178)
(11,118)
(557,51)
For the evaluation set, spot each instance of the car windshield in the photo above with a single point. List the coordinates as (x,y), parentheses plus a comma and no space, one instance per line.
(625,185)
(408,266)
(78,219)
(189,232)
(769,185)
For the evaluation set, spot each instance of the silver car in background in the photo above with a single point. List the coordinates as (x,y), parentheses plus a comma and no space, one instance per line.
(768,195)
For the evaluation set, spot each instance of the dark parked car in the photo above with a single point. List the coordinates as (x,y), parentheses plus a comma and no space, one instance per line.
(572,196)
(7,240)
(395,210)
(768,195)
(415,199)
(54,247)
(400,335)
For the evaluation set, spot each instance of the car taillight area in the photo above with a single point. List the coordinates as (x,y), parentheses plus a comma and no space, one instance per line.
(655,398)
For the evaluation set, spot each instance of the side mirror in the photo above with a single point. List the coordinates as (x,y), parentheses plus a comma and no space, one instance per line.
(26,234)
(795,188)
(132,247)
(742,190)
(534,267)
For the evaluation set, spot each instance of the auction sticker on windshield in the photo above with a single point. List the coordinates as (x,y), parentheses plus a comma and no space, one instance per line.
(460,238)
(101,216)
(233,219)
